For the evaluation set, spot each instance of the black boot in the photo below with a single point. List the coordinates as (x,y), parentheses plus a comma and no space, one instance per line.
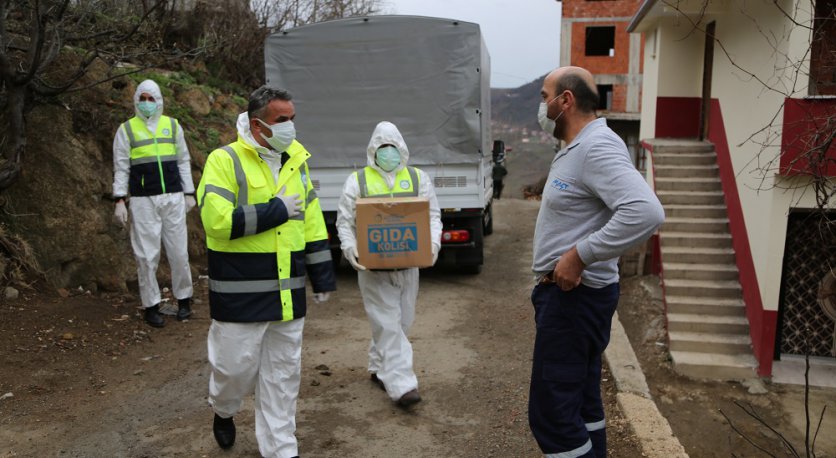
(184,310)
(153,317)
(224,429)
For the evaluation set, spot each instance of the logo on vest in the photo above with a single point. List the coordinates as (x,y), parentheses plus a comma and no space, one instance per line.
(404,184)
(166,132)
(388,240)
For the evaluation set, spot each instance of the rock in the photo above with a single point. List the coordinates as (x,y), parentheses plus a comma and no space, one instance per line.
(196,101)
(6,396)
(12,294)
(322,367)
(68,336)
(63,293)
(755,386)
(315,383)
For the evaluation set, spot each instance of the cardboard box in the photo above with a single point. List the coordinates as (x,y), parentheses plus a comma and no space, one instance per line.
(394,232)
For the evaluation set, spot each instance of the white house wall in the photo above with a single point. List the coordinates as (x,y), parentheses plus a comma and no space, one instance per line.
(650,91)
(749,106)
(758,39)
(672,68)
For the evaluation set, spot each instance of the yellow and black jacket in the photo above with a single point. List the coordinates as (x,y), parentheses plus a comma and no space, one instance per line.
(257,256)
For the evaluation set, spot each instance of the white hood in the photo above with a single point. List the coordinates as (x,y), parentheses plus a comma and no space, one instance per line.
(385,133)
(272,158)
(243,126)
(150,87)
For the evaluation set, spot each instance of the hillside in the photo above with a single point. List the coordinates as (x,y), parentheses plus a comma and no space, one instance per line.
(59,214)
(517,107)
(514,116)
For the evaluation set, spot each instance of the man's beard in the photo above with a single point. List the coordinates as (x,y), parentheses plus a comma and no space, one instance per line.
(560,129)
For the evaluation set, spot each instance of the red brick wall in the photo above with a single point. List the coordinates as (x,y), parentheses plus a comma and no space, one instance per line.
(600,8)
(604,65)
(617,64)
(619,97)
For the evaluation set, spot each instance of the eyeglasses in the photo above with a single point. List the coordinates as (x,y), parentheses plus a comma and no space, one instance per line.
(149,98)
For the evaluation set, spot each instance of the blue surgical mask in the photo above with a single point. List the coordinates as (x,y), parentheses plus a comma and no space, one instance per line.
(147,108)
(387,158)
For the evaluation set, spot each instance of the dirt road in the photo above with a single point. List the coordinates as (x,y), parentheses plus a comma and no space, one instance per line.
(88,378)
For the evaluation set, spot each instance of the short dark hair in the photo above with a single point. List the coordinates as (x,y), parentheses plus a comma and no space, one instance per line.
(586,97)
(262,97)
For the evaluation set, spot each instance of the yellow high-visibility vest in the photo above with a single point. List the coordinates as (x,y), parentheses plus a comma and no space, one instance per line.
(372,184)
(258,257)
(153,157)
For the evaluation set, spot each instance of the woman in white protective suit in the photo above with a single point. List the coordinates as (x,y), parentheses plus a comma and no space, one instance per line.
(151,163)
(388,295)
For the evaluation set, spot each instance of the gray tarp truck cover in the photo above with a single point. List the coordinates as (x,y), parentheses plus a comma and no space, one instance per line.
(429,76)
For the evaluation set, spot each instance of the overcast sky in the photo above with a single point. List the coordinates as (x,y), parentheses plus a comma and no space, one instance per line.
(522,36)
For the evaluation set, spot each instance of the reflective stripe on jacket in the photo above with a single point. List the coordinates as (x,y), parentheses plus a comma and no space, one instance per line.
(153,157)
(257,256)
(372,184)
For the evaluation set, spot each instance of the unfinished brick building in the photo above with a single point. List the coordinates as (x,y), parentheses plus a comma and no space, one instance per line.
(593,35)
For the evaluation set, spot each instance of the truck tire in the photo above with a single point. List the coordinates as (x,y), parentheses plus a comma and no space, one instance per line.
(487,228)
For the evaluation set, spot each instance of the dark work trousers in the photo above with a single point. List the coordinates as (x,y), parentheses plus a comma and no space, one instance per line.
(565,411)
(497,188)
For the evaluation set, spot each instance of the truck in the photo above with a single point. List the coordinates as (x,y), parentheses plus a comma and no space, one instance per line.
(428,76)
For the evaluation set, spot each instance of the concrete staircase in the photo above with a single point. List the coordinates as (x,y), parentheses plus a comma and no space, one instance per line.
(707,327)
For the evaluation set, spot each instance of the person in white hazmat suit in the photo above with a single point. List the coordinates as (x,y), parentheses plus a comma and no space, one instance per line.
(388,295)
(151,164)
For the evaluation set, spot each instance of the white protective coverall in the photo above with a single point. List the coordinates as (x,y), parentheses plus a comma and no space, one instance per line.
(159,217)
(266,356)
(388,296)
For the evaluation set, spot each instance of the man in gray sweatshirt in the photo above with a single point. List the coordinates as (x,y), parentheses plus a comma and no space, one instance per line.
(595,206)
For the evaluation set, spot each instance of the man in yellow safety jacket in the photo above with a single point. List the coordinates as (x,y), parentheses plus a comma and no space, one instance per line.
(151,163)
(264,232)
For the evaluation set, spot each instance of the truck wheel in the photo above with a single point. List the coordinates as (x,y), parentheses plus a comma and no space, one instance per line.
(488,225)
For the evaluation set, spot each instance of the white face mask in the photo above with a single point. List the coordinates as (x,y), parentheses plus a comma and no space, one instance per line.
(547,124)
(283,135)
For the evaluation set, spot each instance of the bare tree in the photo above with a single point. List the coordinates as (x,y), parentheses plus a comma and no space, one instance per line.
(228,34)
(33,33)
(234,33)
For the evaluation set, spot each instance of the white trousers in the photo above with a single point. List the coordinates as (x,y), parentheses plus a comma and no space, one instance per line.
(389,299)
(266,356)
(155,218)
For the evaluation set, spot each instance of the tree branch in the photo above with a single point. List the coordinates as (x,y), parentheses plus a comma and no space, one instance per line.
(745,437)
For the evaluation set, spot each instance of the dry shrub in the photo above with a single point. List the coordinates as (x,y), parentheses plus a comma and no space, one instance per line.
(535,191)
(232,40)
(17,259)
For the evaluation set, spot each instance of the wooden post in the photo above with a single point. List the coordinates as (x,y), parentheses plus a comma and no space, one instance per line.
(707,68)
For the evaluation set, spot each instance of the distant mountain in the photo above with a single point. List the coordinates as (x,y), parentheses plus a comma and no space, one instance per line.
(517,107)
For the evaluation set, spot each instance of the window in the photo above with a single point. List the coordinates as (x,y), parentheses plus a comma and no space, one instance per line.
(600,41)
(604,96)
(823,50)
